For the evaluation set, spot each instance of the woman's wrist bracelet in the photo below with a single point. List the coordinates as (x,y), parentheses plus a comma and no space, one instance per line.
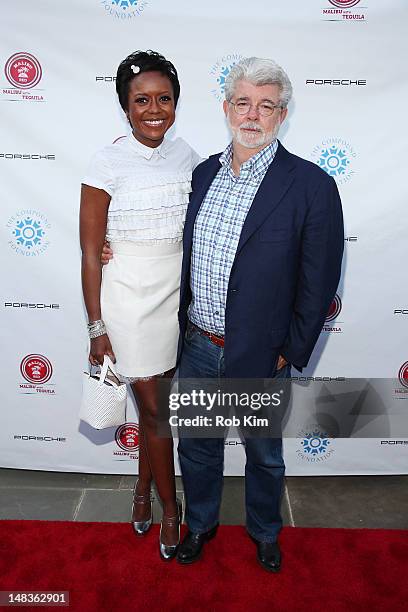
(96,328)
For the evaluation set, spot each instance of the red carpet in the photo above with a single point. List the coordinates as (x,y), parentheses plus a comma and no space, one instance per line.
(105,567)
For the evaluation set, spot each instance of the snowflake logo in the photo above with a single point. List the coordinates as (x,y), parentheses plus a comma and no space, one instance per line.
(224,72)
(222,77)
(28,233)
(315,443)
(333,160)
(125,4)
(220,72)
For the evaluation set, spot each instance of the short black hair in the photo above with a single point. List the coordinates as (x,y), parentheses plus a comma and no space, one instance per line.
(146,61)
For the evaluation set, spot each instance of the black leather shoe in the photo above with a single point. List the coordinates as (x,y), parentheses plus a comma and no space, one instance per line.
(269,555)
(191,548)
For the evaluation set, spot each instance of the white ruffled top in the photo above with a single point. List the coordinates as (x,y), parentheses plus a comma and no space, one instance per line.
(149,188)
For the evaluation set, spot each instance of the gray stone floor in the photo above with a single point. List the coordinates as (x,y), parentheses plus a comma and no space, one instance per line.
(308,501)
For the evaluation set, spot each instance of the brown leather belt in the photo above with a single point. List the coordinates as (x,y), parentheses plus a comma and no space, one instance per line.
(217,340)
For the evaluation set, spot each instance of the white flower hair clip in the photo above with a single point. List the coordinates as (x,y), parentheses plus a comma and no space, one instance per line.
(136,69)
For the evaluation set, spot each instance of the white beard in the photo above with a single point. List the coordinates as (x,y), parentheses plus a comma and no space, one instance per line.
(258,138)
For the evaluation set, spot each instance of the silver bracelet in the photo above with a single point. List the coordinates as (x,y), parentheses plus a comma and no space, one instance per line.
(96,329)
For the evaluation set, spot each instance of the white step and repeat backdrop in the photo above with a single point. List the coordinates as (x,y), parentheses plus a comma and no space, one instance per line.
(347,62)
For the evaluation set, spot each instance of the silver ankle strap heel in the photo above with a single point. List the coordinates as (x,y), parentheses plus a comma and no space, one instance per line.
(141,527)
(168,552)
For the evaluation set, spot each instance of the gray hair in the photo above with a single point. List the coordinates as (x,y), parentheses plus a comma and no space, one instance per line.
(259,71)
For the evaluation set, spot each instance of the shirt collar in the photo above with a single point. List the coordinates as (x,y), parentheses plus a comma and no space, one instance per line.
(225,158)
(257,164)
(147,152)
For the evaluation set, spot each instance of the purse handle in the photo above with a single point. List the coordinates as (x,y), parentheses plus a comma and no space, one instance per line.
(107,365)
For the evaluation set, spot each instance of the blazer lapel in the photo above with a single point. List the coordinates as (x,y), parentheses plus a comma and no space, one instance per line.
(275,184)
(196,199)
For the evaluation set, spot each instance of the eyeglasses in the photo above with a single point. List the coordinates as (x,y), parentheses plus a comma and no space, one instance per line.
(265,109)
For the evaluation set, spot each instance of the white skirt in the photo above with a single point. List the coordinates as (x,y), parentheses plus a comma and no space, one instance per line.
(139,304)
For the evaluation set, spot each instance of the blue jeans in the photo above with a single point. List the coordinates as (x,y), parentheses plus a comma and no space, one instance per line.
(202,459)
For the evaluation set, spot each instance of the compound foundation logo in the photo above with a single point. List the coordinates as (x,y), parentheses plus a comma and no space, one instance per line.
(336,157)
(29,231)
(127,438)
(220,71)
(23,72)
(37,371)
(343,10)
(314,446)
(124,9)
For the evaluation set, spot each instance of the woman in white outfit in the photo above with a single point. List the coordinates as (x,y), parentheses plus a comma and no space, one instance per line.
(136,194)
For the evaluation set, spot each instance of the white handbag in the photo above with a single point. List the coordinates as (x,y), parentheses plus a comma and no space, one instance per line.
(103,398)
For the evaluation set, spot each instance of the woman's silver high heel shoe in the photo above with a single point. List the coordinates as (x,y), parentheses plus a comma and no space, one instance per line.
(168,552)
(141,527)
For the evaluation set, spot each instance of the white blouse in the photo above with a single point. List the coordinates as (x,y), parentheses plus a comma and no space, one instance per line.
(149,188)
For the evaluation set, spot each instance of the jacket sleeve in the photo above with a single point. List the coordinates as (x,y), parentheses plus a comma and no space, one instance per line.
(319,272)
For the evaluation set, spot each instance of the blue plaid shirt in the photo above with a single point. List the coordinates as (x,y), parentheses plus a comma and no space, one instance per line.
(217,230)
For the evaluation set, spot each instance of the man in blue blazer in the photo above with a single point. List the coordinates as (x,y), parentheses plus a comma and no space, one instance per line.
(263,244)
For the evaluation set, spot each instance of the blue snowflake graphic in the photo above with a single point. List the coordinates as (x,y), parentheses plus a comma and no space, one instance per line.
(315,443)
(224,72)
(28,233)
(334,161)
(125,4)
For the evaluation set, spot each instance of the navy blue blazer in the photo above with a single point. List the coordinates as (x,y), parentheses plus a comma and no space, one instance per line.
(286,268)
